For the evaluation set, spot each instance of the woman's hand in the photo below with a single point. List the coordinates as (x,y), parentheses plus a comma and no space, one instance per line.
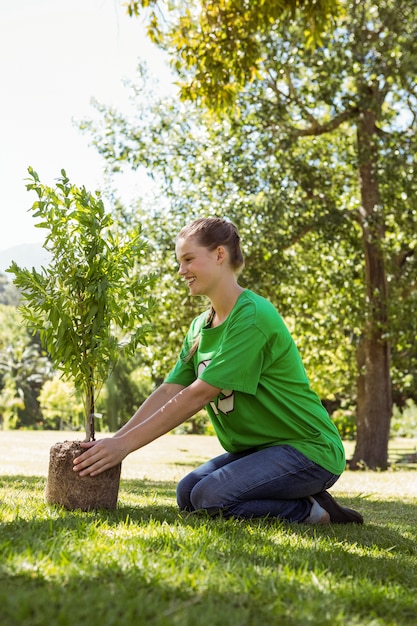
(171,405)
(99,456)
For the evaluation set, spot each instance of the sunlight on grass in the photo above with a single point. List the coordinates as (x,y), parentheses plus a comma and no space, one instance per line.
(27,453)
(170,457)
(147,563)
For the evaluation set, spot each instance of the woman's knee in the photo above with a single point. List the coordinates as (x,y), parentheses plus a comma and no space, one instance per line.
(204,497)
(184,489)
(199,489)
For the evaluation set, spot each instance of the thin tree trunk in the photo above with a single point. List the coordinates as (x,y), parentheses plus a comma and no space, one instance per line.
(89,417)
(374,407)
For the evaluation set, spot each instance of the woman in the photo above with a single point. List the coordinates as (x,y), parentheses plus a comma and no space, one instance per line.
(239,361)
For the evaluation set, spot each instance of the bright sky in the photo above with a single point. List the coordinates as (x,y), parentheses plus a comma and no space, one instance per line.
(55,55)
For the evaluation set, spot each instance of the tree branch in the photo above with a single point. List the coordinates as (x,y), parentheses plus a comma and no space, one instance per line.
(409,290)
(320,129)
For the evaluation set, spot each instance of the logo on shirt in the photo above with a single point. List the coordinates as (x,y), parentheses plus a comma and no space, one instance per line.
(225,401)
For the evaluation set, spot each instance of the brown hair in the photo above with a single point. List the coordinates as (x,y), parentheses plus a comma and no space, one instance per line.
(211,232)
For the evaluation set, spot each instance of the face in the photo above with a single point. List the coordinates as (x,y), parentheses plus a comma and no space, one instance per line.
(198,266)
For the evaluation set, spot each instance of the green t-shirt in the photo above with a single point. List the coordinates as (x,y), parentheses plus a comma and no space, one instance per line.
(265,397)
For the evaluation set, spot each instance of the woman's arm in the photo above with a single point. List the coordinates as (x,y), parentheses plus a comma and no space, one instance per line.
(155,401)
(146,426)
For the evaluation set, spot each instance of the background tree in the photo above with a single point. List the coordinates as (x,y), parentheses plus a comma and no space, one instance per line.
(24,368)
(318,164)
(9,295)
(216,46)
(202,170)
(60,406)
(127,387)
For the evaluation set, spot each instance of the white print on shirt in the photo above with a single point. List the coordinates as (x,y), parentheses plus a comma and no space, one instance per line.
(225,401)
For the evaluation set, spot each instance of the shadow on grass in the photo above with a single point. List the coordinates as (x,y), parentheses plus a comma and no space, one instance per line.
(145,486)
(277,579)
(135,597)
(276,561)
(135,495)
(388,524)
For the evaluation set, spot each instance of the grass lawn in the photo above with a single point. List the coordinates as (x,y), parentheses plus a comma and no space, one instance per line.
(148,564)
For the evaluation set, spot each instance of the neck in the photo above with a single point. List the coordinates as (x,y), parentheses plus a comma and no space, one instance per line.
(224,302)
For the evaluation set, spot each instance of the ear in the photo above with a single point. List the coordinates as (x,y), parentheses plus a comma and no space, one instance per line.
(221,254)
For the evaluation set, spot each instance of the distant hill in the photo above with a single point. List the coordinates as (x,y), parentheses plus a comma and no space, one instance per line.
(26,255)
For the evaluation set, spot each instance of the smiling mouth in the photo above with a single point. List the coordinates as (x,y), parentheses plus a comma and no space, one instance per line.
(190,281)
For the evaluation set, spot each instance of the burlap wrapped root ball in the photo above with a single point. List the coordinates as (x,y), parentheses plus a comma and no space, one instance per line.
(72,491)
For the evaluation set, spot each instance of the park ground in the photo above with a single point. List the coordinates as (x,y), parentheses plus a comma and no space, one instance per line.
(170,457)
(148,564)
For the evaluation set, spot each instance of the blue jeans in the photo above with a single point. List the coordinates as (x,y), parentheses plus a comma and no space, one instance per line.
(273,482)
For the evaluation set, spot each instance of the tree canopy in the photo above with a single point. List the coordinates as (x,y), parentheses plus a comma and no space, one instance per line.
(217,46)
(90,303)
(316,164)
(24,368)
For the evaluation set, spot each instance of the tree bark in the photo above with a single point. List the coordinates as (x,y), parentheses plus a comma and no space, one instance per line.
(374,401)
(90,434)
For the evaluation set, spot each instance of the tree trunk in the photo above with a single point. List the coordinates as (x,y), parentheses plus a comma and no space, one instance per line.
(90,434)
(374,406)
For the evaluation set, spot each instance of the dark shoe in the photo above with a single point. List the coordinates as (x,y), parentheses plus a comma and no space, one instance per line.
(338,514)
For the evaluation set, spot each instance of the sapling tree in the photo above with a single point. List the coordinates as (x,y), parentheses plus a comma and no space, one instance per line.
(91,302)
